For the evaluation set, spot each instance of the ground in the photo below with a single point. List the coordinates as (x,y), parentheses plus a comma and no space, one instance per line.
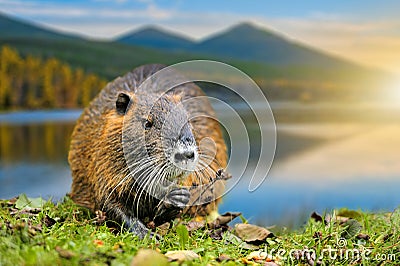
(36,232)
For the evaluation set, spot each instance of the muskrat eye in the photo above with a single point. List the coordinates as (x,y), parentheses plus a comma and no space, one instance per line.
(147,124)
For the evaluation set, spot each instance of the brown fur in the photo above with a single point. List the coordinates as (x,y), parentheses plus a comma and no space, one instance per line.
(96,154)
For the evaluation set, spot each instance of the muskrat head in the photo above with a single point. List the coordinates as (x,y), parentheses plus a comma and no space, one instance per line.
(158,140)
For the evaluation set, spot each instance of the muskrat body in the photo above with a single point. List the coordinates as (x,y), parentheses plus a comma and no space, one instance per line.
(145,154)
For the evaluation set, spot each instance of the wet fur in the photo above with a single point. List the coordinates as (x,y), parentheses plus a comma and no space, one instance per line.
(101,177)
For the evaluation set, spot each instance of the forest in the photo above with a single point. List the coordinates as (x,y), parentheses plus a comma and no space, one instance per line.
(35,83)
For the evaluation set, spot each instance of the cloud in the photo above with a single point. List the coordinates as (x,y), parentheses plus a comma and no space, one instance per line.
(49,10)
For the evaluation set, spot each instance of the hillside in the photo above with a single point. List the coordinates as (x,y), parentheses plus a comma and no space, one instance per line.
(154,37)
(244,41)
(15,28)
(281,78)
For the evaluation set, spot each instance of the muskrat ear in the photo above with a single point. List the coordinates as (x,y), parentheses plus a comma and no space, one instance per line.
(122,103)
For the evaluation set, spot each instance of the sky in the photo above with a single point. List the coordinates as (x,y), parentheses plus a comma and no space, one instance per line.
(364,31)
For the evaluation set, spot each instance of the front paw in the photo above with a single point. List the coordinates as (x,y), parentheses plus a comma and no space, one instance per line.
(172,204)
(178,197)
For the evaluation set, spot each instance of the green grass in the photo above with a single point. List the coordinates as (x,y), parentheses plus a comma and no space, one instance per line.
(65,234)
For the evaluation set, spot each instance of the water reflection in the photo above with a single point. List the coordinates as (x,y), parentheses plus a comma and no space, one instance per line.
(319,164)
(35,143)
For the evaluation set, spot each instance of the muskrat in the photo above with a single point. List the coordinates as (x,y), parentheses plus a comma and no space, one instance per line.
(144,154)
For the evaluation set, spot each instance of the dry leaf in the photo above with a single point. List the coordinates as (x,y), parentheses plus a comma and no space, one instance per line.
(252,233)
(181,255)
(64,253)
(223,219)
(270,263)
(163,228)
(193,225)
(362,236)
(149,257)
(223,257)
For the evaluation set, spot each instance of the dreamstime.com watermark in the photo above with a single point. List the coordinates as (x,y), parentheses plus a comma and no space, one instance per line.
(338,252)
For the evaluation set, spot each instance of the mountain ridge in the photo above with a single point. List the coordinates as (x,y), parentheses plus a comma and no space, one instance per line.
(244,41)
(12,27)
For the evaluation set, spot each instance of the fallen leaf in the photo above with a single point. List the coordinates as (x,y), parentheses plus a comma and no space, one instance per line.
(216,234)
(163,229)
(223,257)
(181,255)
(362,236)
(270,263)
(252,233)
(228,236)
(350,214)
(341,219)
(223,219)
(193,225)
(11,202)
(149,257)
(23,202)
(63,253)
(353,227)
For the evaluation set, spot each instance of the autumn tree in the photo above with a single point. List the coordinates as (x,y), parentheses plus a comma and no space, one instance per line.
(31,82)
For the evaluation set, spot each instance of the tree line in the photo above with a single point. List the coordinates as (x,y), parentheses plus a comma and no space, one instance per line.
(32,83)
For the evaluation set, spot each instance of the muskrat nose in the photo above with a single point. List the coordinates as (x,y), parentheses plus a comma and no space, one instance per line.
(184,156)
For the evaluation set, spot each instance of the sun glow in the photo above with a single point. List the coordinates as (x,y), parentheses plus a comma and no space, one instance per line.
(392,94)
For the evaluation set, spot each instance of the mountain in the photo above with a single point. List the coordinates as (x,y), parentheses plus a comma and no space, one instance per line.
(244,41)
(285,70)
(155,37)
(250,43)
(15,28)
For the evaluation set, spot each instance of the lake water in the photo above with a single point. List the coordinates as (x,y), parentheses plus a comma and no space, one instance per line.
(328,156)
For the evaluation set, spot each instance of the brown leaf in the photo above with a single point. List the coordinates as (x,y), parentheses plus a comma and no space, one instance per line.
(181,255)
(223,219)
(216,234)
(252,233)
(63,253)
(11,202)
(270,263)
(163,228)
(341,219)
(223,257)
(362,236)
(146,257)
(193,225)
